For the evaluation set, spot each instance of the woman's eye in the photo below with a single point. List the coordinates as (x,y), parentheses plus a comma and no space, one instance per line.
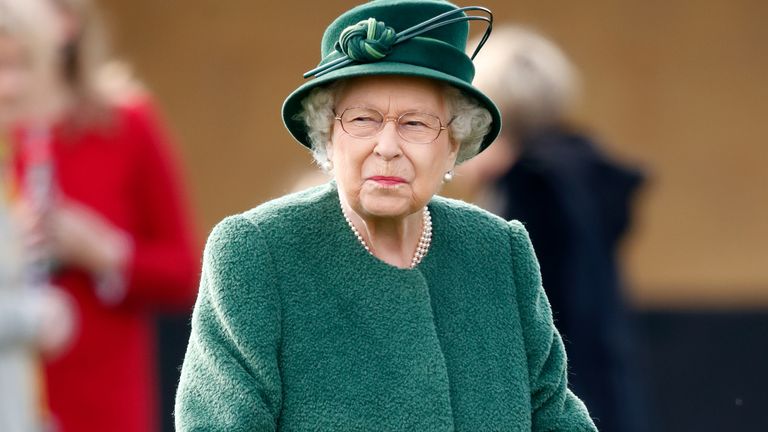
(363,119)
(415,123)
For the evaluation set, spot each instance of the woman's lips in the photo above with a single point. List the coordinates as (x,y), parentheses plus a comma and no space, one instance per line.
(387,180)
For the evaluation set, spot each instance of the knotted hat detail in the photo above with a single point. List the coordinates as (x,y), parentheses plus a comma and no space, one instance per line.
(367,41)
(371,40)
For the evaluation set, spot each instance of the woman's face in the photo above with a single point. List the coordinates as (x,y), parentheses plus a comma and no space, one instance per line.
(14,78)
(385,176)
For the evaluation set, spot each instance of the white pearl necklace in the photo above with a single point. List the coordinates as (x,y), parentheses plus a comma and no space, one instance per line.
(424,241)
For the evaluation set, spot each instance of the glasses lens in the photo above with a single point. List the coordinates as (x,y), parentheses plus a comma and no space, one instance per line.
(361,122)
(418,128)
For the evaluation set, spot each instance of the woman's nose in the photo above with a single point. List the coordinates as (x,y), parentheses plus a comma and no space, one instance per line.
(388,144)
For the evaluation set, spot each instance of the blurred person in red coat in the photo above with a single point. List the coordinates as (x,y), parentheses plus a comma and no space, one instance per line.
(103,207)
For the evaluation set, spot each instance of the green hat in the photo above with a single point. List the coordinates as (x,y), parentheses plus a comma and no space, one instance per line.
(421,38)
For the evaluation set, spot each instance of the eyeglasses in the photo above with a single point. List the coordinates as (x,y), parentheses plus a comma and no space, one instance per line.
(414,127)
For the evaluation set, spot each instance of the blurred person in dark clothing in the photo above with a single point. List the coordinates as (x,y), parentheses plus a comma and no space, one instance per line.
(105,213)
(576,202)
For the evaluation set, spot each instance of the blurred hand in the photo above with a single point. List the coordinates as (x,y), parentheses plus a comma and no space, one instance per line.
(83,238)
(75,235)
(58,322)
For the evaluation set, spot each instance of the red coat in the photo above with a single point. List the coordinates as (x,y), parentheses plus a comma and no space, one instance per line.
(107,382)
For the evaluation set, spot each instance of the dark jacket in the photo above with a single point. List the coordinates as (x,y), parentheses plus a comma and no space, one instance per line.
(575,203)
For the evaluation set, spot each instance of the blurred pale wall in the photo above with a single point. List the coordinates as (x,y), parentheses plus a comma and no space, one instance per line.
(677,85)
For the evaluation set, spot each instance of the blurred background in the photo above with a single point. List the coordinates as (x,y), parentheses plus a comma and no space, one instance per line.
(678,88)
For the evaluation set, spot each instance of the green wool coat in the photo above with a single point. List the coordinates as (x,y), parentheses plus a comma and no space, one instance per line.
(298,328)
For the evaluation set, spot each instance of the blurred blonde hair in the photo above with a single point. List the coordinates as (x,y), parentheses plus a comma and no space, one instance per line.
(97,81)
(531,80)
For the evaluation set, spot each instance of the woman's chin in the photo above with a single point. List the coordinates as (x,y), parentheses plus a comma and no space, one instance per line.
(386,206)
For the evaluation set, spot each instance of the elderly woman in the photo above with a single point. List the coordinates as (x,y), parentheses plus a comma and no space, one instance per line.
(369,303)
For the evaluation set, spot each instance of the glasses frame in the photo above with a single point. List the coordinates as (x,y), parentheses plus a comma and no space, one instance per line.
(386,119)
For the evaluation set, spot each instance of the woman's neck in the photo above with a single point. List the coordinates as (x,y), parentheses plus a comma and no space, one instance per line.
(391,239)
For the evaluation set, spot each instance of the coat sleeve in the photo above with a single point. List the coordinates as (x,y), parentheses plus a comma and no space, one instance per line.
(163,269)
(230,380)
(553,406)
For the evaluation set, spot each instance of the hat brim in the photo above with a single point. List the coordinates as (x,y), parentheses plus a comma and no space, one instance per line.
(292,105)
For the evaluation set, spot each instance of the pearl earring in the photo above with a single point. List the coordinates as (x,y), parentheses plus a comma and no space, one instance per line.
(327,165)
(447,177)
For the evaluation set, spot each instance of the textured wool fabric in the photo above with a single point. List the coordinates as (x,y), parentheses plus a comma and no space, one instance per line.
(298,328)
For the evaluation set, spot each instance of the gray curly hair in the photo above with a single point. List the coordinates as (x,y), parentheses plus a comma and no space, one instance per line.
(471,122)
